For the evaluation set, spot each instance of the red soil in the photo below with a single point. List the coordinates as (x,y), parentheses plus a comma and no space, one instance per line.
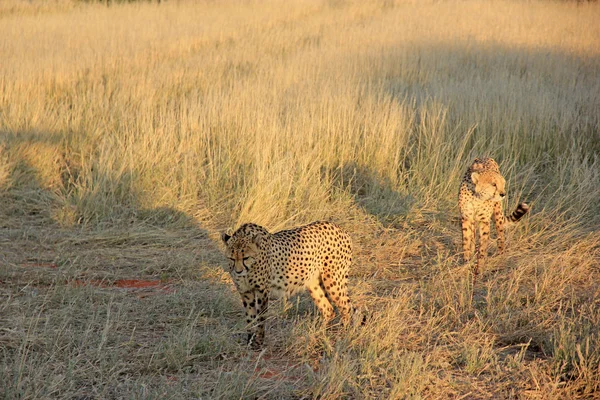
(39,265)
(154,286)
(137,283)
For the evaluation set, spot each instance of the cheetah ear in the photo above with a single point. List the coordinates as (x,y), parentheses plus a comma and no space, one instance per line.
(477,165)
(225,237)
(475,177)
(258,239)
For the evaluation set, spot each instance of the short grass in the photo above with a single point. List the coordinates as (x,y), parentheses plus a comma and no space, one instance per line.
(132,135)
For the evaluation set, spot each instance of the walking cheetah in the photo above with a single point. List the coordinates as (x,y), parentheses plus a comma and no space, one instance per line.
(481,193)
(267,265)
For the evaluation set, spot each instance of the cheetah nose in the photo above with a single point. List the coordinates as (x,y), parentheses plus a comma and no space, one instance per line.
(502,194)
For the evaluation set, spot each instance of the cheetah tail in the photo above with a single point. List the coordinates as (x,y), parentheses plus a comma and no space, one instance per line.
(519,212)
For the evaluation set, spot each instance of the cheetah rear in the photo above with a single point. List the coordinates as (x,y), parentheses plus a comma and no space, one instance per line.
(481,192)
(266,266)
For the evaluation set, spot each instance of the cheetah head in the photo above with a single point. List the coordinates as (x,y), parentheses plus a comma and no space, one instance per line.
(243,248)
(489,185)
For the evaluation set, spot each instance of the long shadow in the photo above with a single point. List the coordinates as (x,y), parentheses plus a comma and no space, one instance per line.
(45,218)
(372,192)
(478,81)
(140,268)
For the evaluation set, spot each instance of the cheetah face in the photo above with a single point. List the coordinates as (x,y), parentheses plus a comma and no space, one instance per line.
(489,185)
(242,253)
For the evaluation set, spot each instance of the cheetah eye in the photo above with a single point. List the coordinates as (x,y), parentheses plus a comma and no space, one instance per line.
(494,184)
(244,261)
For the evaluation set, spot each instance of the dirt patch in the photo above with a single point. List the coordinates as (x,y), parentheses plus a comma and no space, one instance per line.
(39,265)
(141,287)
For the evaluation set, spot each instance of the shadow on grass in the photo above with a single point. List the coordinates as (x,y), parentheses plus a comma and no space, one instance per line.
(372,192)
(133,287)
(411,236)
(509,95)
(91,223)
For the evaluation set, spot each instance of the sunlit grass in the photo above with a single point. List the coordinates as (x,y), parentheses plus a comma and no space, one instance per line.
(131,135)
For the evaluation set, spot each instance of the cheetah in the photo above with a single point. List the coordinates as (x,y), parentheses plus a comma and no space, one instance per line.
(267,266)
(480,195)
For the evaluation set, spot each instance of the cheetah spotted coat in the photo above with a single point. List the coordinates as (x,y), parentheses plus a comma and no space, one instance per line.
(264,266)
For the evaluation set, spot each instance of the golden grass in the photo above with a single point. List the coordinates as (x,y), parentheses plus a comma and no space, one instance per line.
(131,135)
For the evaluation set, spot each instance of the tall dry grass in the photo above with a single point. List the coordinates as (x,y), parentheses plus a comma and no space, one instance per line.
(131,135)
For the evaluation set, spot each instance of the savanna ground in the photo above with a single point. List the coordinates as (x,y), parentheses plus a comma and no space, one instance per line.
(132,135)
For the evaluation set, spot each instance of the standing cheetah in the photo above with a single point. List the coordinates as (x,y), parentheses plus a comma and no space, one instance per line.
(481,193)
(267,265)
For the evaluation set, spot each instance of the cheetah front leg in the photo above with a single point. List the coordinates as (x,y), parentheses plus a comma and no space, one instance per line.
(262,301)
(468,237)
(255,334)
(484,238)
(499,222)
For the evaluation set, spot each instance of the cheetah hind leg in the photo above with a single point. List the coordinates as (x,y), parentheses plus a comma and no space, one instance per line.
(320,299)
(337,292)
